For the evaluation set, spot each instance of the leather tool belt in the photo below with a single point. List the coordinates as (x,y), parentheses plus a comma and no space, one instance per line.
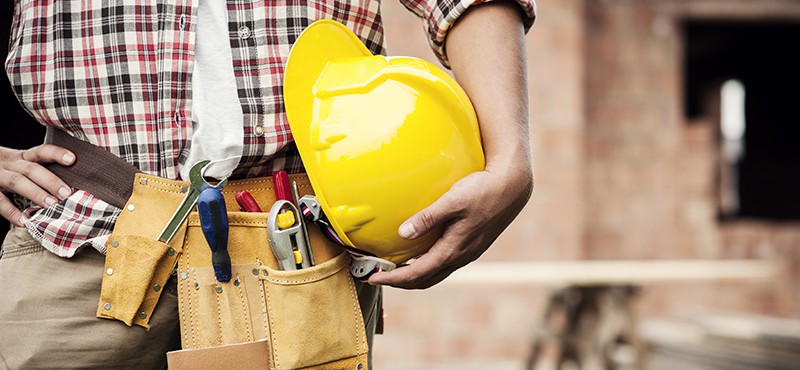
(307,318)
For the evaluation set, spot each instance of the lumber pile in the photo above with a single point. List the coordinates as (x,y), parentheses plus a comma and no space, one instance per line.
(716,341)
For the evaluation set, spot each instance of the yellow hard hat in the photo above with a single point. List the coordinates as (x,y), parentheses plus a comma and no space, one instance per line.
(380,137)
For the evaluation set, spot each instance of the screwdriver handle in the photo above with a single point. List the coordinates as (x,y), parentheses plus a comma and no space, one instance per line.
(246,201)
(281,182)
(214,222)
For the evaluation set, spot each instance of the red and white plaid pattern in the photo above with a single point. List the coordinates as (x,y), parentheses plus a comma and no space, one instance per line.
(118,75)
(440,15)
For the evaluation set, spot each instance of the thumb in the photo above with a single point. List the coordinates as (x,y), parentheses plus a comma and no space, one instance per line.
(426,219)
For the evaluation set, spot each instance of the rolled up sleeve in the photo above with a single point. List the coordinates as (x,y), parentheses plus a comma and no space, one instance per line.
(439,16)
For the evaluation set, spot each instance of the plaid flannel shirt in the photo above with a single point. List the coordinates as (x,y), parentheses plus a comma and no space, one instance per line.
(118,75)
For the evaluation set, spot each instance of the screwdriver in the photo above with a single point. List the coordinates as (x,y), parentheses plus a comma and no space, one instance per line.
(214,222)
(246,201)
(281,182)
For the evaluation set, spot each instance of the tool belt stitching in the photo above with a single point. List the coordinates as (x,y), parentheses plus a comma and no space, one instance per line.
(360,330)
(193,222)
(151,180)
(245,183)
(274,280)
(166,190)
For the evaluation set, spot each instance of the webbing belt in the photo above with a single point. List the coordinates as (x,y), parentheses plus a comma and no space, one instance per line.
(95,170)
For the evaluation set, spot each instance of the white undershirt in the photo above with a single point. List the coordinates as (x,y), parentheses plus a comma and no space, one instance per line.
(217,116)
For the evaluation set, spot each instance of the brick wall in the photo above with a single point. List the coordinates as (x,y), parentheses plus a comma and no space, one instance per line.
(492,327)
(620,173)
(651,173)
(633,132)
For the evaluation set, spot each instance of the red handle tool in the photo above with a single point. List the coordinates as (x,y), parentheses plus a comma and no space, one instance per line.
(281,182)
(246,201)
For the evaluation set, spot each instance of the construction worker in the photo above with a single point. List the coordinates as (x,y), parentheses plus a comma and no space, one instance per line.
(161,85)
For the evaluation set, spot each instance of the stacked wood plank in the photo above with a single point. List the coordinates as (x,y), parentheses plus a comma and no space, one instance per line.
(722,341)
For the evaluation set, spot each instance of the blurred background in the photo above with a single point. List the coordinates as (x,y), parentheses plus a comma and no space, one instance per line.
(664,229)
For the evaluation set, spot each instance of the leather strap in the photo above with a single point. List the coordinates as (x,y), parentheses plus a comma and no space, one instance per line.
(95,170)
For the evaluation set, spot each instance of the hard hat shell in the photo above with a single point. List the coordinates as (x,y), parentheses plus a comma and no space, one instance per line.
(381,137)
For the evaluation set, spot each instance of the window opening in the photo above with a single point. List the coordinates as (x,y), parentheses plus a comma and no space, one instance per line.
(743,77)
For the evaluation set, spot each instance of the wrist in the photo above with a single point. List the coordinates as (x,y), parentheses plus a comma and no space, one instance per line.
(514,171)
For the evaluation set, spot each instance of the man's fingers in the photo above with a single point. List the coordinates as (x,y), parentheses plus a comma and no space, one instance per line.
(413,276)
(48,153)
(9,211)
(21,173)
(42,178)
(18,183)
(427,270)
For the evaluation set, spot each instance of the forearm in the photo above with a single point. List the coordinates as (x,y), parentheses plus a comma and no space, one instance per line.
(487,54)
(486,51)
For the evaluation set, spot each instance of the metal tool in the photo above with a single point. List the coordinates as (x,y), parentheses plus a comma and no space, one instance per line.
(214,222)
(246,201)
(286,236)
(312,212)
(363,267)
(196,185)
(364,264)
(302,222)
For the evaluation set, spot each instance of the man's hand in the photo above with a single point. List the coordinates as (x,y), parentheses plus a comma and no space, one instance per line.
(486,50)
(21,172)
(475,211)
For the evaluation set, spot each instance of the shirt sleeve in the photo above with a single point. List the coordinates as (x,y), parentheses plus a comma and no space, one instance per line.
(439,15)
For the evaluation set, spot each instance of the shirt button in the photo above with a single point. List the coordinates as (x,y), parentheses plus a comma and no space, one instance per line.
(244,32)
(259,131)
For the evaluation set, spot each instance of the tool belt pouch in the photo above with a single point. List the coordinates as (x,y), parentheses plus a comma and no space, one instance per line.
(137,265)
(321,303)
(309,318)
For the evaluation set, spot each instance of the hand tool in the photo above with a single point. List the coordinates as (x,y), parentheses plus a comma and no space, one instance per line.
(286,236)
(364,263)
(246,201)
(302,223)
(196,184)
(280,180)
(363,267)
(312,212)
(214,222)
(303,256)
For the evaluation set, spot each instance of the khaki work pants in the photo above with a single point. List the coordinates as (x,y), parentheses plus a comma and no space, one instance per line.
(48,306)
